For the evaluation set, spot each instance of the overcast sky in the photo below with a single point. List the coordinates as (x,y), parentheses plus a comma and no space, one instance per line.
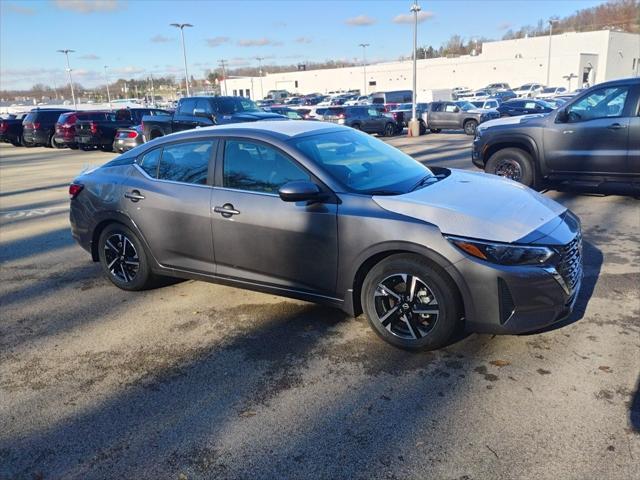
(134,37)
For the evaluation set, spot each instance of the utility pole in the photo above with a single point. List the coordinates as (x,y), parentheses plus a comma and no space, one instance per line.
(153,91)
(223,63)
(73,95)
(364,65)
(106,79)
(260,72)
(414,126)
(551,22)
(182,26)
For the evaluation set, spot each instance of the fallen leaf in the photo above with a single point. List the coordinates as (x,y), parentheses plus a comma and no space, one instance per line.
(605,368)
(247,413)
(500,363)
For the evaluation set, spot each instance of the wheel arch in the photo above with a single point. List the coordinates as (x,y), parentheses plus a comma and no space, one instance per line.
(108,218)
(523,142)
(374,256)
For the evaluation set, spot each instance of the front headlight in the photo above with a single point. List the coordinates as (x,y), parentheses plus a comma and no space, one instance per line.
(504,253)
(479,131)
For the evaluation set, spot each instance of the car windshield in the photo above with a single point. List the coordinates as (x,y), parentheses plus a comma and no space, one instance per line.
(363,163)
(466,106)
(235,105)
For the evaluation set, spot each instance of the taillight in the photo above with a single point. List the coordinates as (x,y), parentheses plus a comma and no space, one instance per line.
(58,127)
(132,134)
(341,115)
(94,127)
(3,127)
(74,190)
(36,125)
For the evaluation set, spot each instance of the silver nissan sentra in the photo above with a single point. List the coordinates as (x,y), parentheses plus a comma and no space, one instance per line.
(328,214)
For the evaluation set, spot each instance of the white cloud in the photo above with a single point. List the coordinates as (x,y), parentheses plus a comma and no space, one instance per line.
(19,9)
(258,42)
(303,40)
(217,41)
(360,21)
(408,17)
(161,39)
(89,56)
(89,6)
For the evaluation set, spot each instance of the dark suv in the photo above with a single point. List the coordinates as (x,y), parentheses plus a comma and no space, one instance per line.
(592,140)
(366,118)
(38,127)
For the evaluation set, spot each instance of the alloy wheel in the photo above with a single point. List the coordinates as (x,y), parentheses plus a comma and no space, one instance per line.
(406,306)
(509,169)
(121,257)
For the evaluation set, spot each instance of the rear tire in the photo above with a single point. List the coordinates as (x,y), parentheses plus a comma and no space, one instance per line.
(392,305)
(124,259)
(512,163)
(106,148)
(53,143)
(423,128)
(356,126)
(389,130)
(470,127)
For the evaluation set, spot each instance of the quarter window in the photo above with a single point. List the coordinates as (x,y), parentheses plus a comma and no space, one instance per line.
(258,168)
(601,103)
(186,162)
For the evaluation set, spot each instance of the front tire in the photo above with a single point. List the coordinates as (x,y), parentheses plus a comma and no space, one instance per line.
(410,303)
(123,258)
(514,164)
(470,127)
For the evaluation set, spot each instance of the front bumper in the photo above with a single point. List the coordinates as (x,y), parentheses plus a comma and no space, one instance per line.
(477,153)
(519,299)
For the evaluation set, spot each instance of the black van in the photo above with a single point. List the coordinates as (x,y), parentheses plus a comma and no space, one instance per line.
(39,126)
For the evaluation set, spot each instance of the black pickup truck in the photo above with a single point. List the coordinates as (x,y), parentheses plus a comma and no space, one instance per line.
(11,129)
(195,112)
(101,131)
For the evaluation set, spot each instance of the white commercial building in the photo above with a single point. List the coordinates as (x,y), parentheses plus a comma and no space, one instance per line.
(589,57)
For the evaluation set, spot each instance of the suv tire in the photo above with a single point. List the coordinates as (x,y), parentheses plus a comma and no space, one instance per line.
(470,127)
(393,307)
(356,126)
(512,163)
(389,130)
(124,259)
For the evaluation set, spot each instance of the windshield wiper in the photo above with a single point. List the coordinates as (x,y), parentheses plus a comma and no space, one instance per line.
(423,182)
(384,192)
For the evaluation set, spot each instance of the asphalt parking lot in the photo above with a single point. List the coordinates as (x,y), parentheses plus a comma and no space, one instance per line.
(195,380)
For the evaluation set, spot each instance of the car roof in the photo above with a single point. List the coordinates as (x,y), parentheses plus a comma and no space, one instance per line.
(279,129)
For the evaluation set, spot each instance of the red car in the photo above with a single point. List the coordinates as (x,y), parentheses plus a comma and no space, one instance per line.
(66,126)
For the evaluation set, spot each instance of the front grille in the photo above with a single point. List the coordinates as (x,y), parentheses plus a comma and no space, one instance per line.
(570,265)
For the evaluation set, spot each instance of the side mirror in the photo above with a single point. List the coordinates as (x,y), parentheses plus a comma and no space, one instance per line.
(299,191)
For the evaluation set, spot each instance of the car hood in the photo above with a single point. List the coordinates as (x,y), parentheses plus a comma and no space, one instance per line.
(476,205)
(532,119)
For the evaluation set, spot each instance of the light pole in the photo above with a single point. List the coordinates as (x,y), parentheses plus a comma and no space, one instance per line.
(181,26)
(414,127)
(222,63)
(364,65)
(260,72)
(106,80)
(73,95)
(551,22)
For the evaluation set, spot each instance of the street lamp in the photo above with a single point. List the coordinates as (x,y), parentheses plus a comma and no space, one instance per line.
(73,95)
(551,22)
(414,126)
(181,26)
(106,80)
(364,65)
(260,71)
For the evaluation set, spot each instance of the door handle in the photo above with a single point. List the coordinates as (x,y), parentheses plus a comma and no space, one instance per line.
(134,195)
(616,126)
(226,210)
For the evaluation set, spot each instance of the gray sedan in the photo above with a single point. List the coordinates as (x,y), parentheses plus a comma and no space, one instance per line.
(328,214)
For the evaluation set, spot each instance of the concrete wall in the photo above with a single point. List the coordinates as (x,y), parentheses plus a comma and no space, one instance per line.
(513,61)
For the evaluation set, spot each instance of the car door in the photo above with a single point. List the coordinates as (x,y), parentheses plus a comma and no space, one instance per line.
(451,116)
(184,118)
(260,238)
(592,134)
(633,159)
(168,196)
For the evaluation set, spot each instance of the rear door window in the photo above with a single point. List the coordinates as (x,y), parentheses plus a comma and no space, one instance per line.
(149,162)
(186,162)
